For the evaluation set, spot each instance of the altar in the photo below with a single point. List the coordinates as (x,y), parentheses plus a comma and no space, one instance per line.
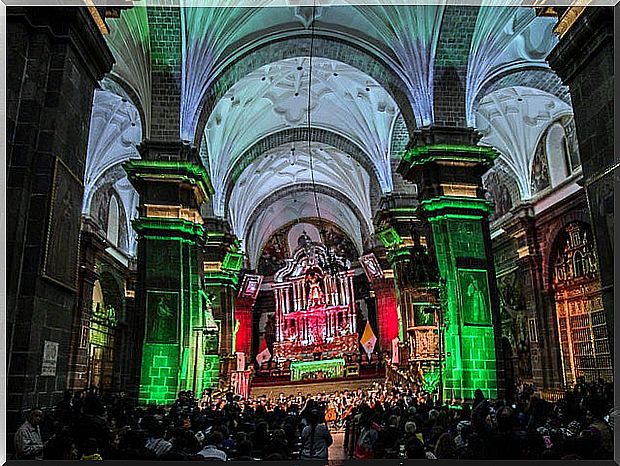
(314,306)
(317,370)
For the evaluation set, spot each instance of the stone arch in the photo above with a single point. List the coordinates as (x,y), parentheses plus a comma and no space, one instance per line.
(99,201)
(107,178)
(294,45)
(113,223)
(119,86)
(304,188)
(536,77)
(113,290)
(552,235)
(294,135)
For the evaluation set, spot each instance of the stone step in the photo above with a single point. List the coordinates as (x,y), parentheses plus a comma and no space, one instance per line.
(323,386)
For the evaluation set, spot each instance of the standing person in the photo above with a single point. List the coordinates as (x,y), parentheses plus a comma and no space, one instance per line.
(365,445)
(315,438)
(28,443)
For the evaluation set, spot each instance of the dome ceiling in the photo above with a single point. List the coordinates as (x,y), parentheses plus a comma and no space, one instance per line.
(404,38)
(282,167)
(115,131)
(275,97)
(298,206)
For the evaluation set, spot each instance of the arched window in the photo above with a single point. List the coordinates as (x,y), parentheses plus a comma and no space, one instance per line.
(540,169)
(113,221)
(559,163)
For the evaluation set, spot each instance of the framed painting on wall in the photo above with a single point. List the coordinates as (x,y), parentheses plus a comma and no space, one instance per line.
(162,316)
(474,292)
(63,235)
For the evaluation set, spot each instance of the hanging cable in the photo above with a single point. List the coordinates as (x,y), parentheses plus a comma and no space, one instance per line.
(316,198)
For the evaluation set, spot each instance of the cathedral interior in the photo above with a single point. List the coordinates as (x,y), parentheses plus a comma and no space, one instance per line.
(246,198)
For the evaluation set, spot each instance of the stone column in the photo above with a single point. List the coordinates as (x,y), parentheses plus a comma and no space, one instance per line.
(447,166)
(170,232)
(584,59)
(91,245)
(522,290)
(222,262)
(385,294)
(55,58)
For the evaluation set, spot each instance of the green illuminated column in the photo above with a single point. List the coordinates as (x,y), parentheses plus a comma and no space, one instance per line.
(405,236)
(222,262)
(172,186)
(447,166)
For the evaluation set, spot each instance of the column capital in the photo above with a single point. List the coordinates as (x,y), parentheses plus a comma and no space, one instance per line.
(181,151)
(447,162)
(78,27)
(436,135)
(222,256)
(188,174)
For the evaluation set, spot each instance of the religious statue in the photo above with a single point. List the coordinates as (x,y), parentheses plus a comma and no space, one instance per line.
(291,334)
(209,321)
(315,294)
(303,240)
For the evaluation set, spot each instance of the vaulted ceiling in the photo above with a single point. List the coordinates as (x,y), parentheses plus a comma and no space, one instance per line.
(243,78)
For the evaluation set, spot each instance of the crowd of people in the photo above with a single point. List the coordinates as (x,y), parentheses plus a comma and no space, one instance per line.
(377,423)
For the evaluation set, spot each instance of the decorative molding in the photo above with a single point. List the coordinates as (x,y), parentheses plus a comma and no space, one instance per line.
(170,211)
(568,19)
(94,13)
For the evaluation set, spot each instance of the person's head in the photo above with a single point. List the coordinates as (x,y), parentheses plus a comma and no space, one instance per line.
(464,429)
(214,439)
(244,448)
(35,416)
(445,448)
(158,430)
(505,419)
(185,440)
(313,416)
(410,428)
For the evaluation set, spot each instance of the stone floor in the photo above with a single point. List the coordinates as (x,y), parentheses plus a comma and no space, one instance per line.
(336,451)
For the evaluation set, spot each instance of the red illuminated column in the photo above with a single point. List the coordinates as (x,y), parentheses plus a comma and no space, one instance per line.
(385,294)
(243,313)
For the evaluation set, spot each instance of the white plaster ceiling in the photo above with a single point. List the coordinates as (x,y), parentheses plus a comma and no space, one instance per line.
(275,97)
(297,206)
(129,41)
(512,120)
(115,130)
(505,38)
(130,198)
(281,167)
(404,37)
